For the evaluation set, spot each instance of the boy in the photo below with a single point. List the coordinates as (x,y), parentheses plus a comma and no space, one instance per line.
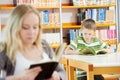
(87,39)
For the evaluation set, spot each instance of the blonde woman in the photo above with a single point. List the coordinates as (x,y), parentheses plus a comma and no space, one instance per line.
(22,46)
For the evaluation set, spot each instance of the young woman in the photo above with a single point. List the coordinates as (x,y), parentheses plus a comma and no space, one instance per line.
(22,46)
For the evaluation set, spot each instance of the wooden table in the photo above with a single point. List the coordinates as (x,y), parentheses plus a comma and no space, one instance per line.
(64,61)
(95,64)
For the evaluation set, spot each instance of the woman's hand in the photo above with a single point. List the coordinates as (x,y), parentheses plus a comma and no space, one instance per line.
(55,76)
(29,74)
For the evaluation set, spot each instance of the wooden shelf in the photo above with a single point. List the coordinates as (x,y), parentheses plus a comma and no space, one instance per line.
(6,6)
(2,27)
(55,45)
(105,24)
(11,7)
(110,42)
(73,25)
(66,25)
(47,7)
(70,25)
(88,6)
(43,27)
(50,26)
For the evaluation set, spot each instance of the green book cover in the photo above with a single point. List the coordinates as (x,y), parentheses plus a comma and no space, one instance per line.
(91,51)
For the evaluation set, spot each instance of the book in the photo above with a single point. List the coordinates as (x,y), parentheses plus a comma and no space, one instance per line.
(91,51)
(101,14)
(48,67)
(110,18)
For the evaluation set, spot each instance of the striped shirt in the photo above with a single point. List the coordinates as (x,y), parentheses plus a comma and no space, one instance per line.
(79,44)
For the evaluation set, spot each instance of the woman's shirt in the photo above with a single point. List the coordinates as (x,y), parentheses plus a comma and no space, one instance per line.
(6,64)
(22,63)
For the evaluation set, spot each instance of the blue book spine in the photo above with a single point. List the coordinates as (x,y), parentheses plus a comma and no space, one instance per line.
(73,34)
(46,17)
(70,32)
(101,14)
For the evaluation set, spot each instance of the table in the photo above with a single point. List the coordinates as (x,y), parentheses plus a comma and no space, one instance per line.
(94,64)
(64,61)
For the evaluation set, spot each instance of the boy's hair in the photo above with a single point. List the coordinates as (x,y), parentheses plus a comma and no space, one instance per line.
(89,24)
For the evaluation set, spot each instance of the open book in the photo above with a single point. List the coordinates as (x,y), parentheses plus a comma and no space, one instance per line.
(49,66)
(91,51)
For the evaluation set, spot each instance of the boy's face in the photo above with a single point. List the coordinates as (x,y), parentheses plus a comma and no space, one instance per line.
(87,34)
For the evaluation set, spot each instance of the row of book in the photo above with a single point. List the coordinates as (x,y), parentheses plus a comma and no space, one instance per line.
(51,38)
(106,34)
(37,3)
(92,2)
(102,34)
(100,15)
(49,18)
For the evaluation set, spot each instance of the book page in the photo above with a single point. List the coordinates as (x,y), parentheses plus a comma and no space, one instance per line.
(60,51)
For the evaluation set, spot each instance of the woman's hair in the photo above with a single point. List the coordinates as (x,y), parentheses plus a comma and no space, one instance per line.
(89,24)
(12,40)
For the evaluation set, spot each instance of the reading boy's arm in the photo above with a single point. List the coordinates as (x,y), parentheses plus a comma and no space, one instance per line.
(106,47)
(68,50)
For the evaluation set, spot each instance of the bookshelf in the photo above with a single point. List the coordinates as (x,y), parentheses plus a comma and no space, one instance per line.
(62,6)
(54,10)
(72,24)
(66,6)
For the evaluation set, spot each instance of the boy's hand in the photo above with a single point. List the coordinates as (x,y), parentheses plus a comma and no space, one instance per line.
(70,51)
(110,50)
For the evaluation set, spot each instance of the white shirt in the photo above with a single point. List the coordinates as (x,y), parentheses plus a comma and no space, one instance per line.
(22,63)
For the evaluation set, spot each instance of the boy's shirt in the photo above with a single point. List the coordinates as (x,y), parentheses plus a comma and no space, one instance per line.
(79,44)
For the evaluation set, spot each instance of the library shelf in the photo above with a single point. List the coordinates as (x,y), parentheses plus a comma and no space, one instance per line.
(55,45)
(45,27)
(6,6)
(50,26)
(11,7)
(73,25)
(88,6)
(70,25)
(110,42)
